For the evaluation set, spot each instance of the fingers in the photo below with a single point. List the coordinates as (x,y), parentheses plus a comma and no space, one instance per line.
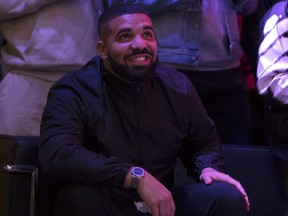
(164,209)
(156,196)
(167,207)
(242,191)
(247,203)
(212,175)
(206,179)
(173,208)
(155,211)
(238,185)
(163,206)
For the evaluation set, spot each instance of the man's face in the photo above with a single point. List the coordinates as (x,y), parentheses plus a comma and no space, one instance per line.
(130,47)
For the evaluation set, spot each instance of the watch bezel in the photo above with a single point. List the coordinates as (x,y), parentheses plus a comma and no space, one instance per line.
(135,173)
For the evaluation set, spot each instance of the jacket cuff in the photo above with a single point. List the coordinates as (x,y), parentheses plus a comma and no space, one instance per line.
(125,168)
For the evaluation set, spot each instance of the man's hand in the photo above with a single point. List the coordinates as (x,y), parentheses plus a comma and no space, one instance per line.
(156,196)
(208,175)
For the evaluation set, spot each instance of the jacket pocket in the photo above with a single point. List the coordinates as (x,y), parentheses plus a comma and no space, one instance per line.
(178,29)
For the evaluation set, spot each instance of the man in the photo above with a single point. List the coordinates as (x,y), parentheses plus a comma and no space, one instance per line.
(112,131)
(272,84)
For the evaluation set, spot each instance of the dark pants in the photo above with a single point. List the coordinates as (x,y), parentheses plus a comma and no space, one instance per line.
(218,199)
(225,97)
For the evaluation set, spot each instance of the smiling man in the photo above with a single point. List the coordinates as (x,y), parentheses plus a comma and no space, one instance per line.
(112,131)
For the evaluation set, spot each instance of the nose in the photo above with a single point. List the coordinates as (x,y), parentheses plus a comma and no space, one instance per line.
(138,43)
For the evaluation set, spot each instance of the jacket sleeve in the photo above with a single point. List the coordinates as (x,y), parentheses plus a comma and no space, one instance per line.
(246,7)
(63,153)
(272,70)
(202,147)
(153,6)
(10,9)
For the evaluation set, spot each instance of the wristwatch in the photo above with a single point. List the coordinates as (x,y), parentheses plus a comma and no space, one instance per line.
(137,173)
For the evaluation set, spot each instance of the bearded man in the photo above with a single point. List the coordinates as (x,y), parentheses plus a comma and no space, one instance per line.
(112,131)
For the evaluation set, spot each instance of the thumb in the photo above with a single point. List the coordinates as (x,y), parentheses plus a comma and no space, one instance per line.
(206,179)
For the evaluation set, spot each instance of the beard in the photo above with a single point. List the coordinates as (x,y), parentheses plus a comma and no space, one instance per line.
(133,74)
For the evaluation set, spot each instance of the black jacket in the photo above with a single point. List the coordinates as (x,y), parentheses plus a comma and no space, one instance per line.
(95,127)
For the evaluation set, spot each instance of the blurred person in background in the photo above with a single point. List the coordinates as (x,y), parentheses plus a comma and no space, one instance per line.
(44,39)
(272,84)
(250,43)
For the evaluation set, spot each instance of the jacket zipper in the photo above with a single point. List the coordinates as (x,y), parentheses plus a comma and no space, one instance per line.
(138,128)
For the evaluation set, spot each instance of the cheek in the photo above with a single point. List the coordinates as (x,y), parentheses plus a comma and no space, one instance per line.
(117,52)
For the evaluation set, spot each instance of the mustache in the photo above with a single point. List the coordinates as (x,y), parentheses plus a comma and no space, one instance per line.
(137,52)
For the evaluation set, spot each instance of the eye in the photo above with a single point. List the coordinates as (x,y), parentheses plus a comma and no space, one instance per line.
(124,37)
(149,35)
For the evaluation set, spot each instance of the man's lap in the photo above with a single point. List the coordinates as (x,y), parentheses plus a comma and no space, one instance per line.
(194,199)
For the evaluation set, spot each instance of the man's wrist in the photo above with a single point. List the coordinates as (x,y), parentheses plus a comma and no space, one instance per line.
(137,173)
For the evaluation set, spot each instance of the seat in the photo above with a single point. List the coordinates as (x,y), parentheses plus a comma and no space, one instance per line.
(24,190)
(254,167)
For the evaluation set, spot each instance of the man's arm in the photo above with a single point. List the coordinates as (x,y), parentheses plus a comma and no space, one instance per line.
(16,8)
(202,153)
(202,147)
(64,152)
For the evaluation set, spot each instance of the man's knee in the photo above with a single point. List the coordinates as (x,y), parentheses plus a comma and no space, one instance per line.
(228,195)
(226,200)
(218,199)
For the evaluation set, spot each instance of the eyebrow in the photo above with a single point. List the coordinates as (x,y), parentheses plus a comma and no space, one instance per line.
(130,29)
(149,28)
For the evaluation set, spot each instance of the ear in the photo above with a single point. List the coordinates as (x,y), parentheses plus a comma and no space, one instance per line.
(101,49)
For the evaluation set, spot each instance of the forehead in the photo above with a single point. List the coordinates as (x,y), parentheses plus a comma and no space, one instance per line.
(130,21)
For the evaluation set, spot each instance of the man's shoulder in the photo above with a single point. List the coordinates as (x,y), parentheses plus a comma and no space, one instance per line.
(272,18)
(87,71)
(87,75)
(279,9)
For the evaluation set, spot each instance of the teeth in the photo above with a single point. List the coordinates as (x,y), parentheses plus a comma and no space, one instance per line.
(139,59)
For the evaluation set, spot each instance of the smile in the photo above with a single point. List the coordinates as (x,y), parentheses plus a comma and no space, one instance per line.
(139,59)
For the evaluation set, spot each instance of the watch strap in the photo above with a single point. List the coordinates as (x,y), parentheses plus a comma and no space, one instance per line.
(134,182)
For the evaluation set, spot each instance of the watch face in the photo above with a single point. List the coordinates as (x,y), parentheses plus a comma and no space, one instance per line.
(137,171)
